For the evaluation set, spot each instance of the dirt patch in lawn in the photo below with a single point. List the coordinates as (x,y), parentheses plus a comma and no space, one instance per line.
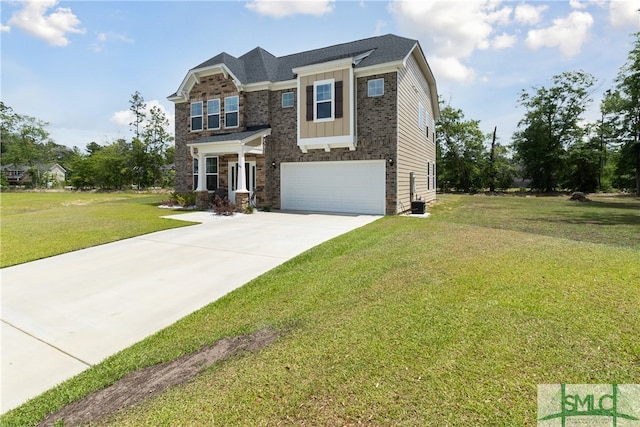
(143,384)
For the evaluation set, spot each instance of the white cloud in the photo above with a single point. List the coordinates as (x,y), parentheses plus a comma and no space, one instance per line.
(529,15)
(5,28)
(53,28)
(453,30)
(576,4)
(380,26)
(568,34)
(450,68)
(103,38)
(282,8)
(624,13)
(503,41)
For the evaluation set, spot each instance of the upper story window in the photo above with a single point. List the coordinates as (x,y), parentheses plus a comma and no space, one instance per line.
(421,116)
(231,112)
(213,114)
(375,87)
(196,116)
(323,100)
(287,99)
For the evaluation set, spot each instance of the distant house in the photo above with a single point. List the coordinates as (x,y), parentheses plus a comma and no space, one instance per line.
(345,128)
(53,174)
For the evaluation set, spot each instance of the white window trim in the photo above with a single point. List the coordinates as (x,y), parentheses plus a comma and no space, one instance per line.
(191,116)
(217,174)
(231,111)
(421,116)
(369,83)
(293,100)
(218,113)
(332,82)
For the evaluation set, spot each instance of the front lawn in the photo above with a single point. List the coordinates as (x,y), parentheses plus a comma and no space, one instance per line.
(41,224)
(450,320)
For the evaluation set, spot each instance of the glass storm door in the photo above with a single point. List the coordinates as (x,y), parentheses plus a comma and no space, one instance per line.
(250,177)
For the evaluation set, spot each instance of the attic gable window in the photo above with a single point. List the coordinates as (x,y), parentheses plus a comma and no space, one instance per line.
(196,116)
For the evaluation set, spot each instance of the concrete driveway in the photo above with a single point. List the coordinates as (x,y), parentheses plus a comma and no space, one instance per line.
(63,314)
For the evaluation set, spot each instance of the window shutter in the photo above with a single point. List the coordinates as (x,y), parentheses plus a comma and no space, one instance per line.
(338,100)
(310,103)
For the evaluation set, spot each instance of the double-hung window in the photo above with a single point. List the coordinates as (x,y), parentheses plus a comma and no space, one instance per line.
(421,117)
(375,87)
(213,114)
(211,172)
(196,116)
(323,96)
(231,112)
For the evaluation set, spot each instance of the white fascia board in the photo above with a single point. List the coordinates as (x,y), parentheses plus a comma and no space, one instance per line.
(286,84)
(387,67)
(193,77)
(260,135)
(428,74)
(324,67)
(327,143)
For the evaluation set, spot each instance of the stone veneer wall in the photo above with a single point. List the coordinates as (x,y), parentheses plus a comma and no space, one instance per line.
(376,137)
(377,131)
(253,111)
(184,174)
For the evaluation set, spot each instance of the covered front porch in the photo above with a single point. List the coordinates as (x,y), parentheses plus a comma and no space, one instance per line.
(230,165)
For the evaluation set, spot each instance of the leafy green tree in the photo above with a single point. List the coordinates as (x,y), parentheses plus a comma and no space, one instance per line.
(23,138)
(138,108)
(461,152)
(156,138)
(621,107)
(500,172)
(551,123)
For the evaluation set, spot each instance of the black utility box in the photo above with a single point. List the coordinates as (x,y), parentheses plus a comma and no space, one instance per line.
(418,207)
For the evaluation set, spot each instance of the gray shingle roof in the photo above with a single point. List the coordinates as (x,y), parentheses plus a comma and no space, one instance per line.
(234,136)
(258,65)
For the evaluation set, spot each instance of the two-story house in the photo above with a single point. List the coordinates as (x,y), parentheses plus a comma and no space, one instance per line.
(345,128)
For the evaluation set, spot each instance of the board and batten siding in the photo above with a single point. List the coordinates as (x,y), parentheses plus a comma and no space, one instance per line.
(336,127)
(415,148)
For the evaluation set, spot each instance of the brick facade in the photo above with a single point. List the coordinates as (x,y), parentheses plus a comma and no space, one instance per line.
(376,132)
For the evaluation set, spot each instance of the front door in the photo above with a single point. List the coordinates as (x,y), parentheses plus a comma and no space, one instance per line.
(250,177)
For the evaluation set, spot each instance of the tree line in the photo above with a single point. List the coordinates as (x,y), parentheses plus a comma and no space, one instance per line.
(144,161)
(553,148)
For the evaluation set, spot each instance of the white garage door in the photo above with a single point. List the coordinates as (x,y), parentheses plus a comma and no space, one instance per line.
(348,186)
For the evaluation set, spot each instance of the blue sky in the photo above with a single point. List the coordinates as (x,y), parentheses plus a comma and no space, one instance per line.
(75,64)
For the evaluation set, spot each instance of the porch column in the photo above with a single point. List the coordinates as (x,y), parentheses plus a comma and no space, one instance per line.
(242,179)
(242,194)
(202,177)
(202,197)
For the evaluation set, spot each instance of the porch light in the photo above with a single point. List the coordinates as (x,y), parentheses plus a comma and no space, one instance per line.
(273,165)
(390,160)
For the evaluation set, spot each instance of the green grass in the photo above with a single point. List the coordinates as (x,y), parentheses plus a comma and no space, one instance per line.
(38,225)
(452,320)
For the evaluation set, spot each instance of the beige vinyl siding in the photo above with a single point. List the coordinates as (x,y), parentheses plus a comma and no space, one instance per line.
(337,127)
(415,149)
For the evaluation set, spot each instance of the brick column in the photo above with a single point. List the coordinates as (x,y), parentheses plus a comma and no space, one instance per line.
(242,200)
(202,199)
